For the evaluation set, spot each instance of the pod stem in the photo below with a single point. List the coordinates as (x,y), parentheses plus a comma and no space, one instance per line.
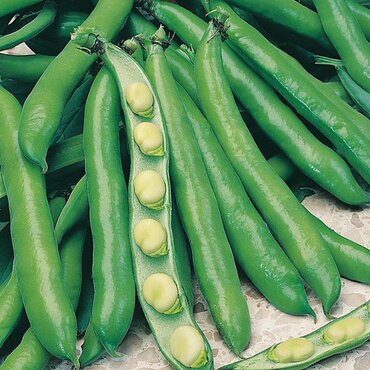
(218,22)
(337,63)
(188,52)
(160,38)
(88,42)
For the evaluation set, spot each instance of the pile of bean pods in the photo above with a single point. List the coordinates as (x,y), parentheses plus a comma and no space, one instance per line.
(144,142)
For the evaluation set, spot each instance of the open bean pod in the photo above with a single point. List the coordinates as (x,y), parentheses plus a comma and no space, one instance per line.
(160,289)
(340,335)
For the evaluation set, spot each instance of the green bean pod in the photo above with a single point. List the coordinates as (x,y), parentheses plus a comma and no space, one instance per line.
(199,212)
(84,309)
(292,17)
(346,34)
(255,249)
(352,259)
(11,305)
(114,297)
(38,266)
(295,84)
(43,20)
(353,115)
(64,25)
(67,165)
(6,253)
(92,349)
(183,72)
(359,8)
(28,68)
(30,353)
(43,109)
(362,14)
(10,7)
(73,214)
(158,261)
(181,67)
(54,38)
(181,243)
(280,209)
(338,336)
(72,120)
(75,210)
(273,116)
(359,95)
(339,90)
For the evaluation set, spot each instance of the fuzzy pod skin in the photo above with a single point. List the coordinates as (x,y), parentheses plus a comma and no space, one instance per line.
(268,111)
(44,19)
(199,212)
(255,249)
(43,108)
(352,259)
(146,266)
(277,204)
(347,36)
(295,84)
(38,265)
(114,297)
(10,7)
(322,349)
(30,353)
